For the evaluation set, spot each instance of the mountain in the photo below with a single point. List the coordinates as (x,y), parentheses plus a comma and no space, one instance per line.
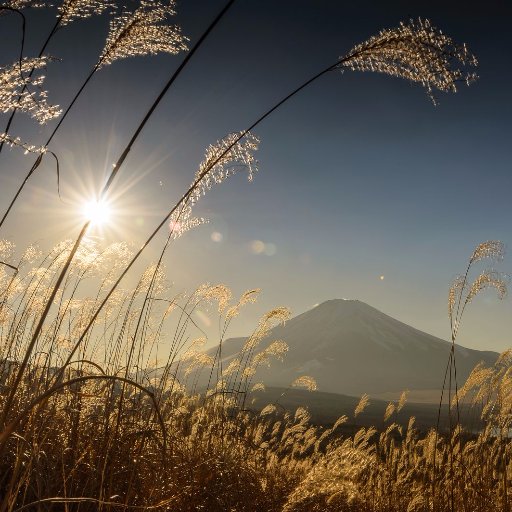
(352,348)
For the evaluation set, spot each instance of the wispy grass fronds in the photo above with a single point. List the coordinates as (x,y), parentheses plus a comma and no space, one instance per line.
(22,4)
(71,10)
(390,410)
(402,400)
(306,382)
(143,32)
(18,143)
(362,405)
(122,429)
(19,91)
(462,291)
(417,52)
(223,159)
(492,249)
(490,390)
(487,279)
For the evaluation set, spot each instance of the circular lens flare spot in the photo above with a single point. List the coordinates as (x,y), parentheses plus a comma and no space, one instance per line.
(257,246)
(98,213)
(216,236)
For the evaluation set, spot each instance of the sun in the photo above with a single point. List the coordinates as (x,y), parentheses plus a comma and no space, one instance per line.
(98,213)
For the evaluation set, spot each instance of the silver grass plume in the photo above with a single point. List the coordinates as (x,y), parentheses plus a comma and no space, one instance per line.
(16,93)
(143,32)
(488,279)
(305,381)
(492,249)
(461,292)
(390,410)
(402,400)
(362,405)
(219,164)
(22,4)
(417,52)
(5,138)
(71,10)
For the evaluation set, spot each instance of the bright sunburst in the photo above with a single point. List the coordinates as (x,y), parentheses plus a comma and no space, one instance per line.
(97,212)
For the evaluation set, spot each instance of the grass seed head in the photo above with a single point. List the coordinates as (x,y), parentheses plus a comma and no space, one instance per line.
(144,31)
(417,52)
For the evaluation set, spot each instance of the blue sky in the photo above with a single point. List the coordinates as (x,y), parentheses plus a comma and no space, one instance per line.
(360,175)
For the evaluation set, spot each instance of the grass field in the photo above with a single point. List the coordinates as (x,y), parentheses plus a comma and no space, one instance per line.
(87,424)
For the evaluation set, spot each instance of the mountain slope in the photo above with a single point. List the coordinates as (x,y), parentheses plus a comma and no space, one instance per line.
(352,348)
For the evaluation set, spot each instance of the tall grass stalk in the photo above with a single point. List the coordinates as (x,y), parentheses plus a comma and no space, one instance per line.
(53,31)
(104,191)
(107,57)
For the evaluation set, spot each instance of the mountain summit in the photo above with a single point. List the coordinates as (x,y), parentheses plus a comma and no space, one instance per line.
(352,348)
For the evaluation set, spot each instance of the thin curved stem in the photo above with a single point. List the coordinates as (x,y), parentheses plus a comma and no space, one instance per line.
(78,241)
(22,44)
(183,200)
(50,138)
(139,129)
(160,97)
(43,48)
(21,187)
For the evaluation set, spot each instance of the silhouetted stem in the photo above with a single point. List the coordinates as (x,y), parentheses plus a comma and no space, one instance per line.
(22,44)
(50,138)
(48,39)
(78,241)
(183,200)
(150,112)
(20,188)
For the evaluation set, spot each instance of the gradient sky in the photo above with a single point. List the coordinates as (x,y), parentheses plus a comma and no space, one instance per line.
(360,175)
